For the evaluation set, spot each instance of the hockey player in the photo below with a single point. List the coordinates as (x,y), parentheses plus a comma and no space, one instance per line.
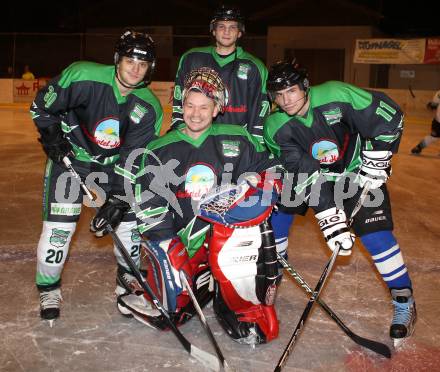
(435,126)
(325,134)
(176,171)
(96,115)
(243,74)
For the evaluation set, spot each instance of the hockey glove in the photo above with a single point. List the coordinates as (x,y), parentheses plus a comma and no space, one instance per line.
(375,168)
(111,213)
(55,144)
(333,224)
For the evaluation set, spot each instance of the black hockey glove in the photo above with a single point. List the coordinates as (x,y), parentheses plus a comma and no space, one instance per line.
(111,213)
(55,144)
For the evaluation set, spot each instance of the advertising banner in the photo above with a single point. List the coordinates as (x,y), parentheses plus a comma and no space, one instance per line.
(389,51)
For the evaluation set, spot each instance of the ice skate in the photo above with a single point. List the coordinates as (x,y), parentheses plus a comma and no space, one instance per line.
(50,305)
(405,315)
(137,306)
(127,283)
(417,150)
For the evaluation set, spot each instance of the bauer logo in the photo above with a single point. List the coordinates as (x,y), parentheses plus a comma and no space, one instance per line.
(59,237)
(135,50)
(240,259)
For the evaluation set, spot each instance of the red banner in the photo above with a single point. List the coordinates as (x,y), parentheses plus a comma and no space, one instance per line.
(432,51)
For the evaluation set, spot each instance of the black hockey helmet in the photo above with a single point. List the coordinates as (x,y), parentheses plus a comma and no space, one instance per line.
(208,82)
(285,74)
(227,13)
(136,45)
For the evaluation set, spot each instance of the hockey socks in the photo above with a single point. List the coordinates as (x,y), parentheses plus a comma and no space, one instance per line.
(281,223)
(388,259)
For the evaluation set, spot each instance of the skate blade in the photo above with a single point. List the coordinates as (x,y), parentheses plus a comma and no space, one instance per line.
(399,342)
(142,320)
(51,322)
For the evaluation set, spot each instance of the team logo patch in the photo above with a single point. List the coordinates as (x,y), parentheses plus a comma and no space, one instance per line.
(64,209)
(231,149)
(138,113)
(199,180)
(49,97)
(59,237)
(243,70)
(135,236)
(325,151)
(333,116)
(107,134)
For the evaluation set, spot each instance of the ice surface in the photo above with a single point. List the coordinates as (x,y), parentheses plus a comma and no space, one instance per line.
(92,336)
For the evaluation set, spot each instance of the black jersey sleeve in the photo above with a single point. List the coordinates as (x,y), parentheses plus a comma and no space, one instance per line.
(60,95)
(377,118)
(257,102)
(177,113)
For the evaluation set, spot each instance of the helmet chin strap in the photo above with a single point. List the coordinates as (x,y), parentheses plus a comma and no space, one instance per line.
(305,98)
(129,86)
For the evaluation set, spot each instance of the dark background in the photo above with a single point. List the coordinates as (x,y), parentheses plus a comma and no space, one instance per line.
(50,35)
(396,18)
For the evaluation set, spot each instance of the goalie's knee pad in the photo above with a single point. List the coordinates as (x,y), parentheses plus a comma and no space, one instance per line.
(165,261)
(244,264)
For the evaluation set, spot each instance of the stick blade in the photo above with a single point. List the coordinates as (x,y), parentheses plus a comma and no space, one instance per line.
(208,360)
(375,346)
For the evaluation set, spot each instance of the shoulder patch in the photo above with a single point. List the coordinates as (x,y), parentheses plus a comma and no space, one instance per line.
(138,113)
(243,71)
(333,116)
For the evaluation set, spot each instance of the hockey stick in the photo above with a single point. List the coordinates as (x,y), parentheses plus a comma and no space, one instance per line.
(319,286)
(205,323)
(207,359)
(375,346)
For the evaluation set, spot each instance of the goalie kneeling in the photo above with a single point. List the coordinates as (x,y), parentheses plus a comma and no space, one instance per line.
(174,173)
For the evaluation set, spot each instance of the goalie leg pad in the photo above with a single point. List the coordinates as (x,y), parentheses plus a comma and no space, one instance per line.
(163,265)
(246,277)
(255,324)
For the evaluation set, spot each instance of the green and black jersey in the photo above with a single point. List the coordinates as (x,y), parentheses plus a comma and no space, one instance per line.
(342,120)
(176,171)
(102,126)
(245,78)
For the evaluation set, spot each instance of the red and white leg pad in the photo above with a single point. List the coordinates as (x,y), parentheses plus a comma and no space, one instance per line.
(245,285)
